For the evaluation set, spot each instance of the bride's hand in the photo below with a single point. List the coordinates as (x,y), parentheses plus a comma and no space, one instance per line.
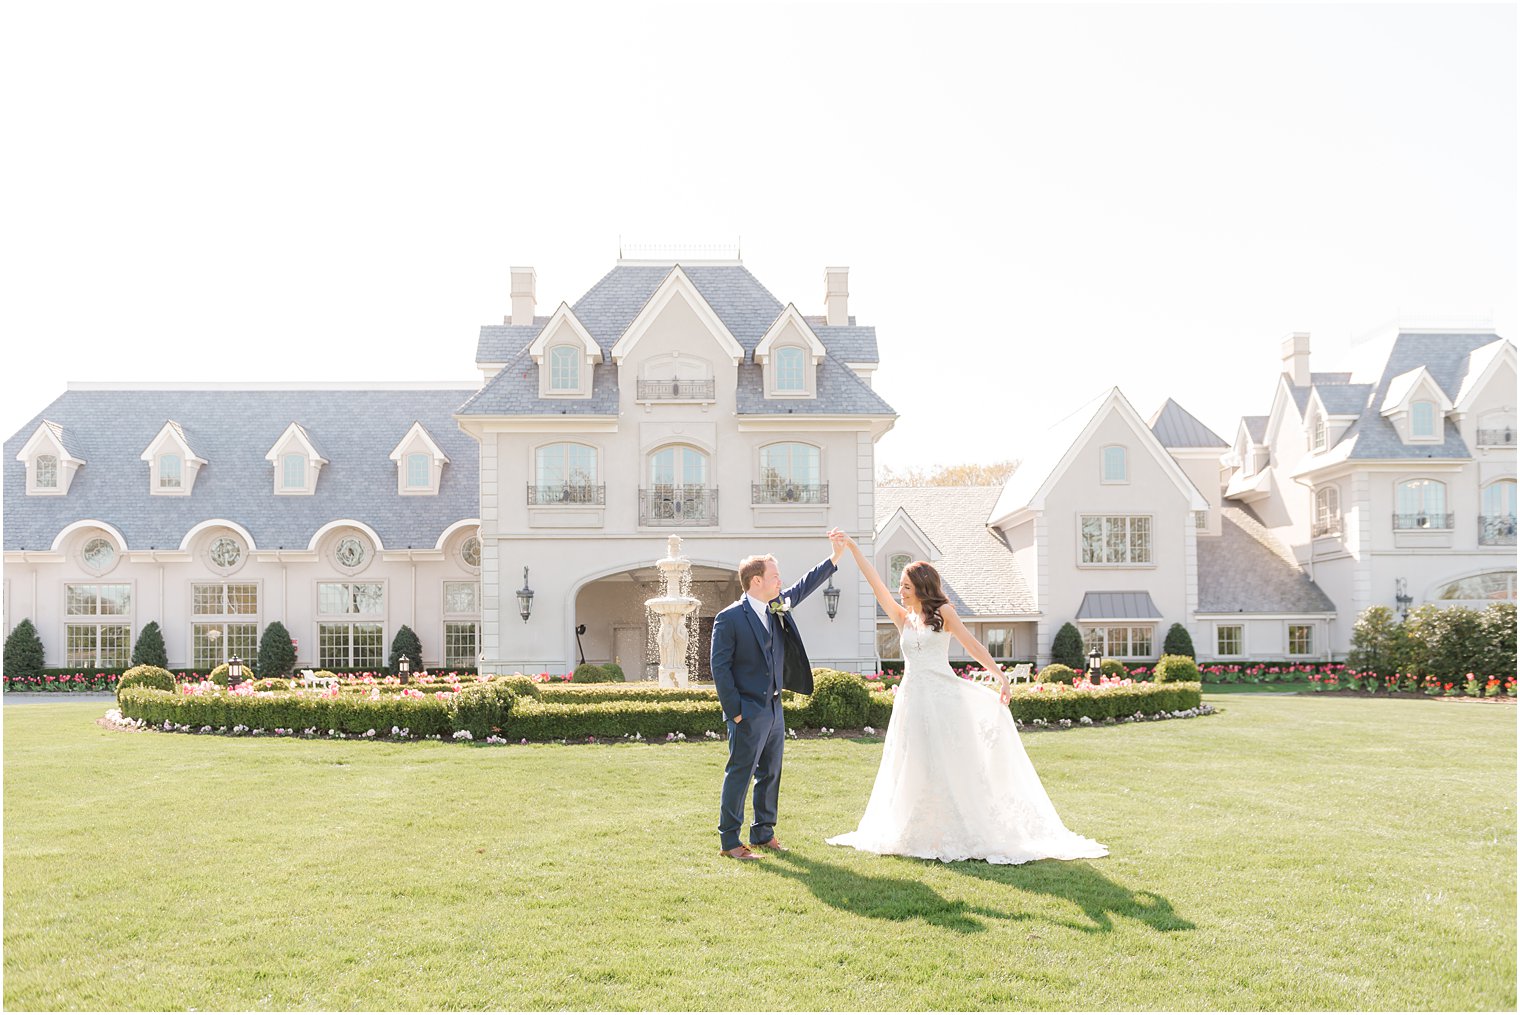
(1005,692)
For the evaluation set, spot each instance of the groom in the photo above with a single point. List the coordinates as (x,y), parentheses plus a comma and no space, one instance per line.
(756,650)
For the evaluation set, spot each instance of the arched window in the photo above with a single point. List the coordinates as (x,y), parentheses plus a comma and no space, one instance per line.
(293,471)
(566,473)
(791,372)
(1498,586)
(47,472)
(789,474)
(1327,511)
(169,472)
(678,489)
(1115,464)
(678,466)
(1497,525)
(1422,419)
(1421,504)
(564,368)
(419,470)
(895,566)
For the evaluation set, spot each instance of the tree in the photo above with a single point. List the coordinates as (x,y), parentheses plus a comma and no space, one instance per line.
(1497,658)
(408,644)
(277,656)
(23,651)
(1178,642)
(994,474)
(1066,649)
(1379,644)
(149,650)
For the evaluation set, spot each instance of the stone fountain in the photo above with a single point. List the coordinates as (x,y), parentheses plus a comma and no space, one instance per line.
(672,606)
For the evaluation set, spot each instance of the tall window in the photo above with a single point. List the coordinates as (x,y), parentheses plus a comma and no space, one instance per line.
(1319,433)
(1421,504)
(461,624)
(1300,639)
(677,467)
(419,470)
(225,623)
(98,631)
(1119,642)
(1115,465)
(293,472)
(564,368)
(169,472)
(1327,511)
(1229,639)
(1116,539)
(999,642)
(567,474)
(895,566)
(888,644)
(47,472)
(1499,499)
(790,473)
(1422,419)
(791,371)
(350,625)
(1200,520)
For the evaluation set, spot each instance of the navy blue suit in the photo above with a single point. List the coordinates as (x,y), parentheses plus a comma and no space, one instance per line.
(747,661)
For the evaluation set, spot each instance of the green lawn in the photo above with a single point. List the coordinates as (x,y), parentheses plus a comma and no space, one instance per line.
(1290,853)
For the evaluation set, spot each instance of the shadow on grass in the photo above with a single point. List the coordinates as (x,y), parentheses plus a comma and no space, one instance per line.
(1100,898)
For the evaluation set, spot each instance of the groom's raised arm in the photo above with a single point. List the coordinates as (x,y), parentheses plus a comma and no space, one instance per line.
(722,663)
(810,581)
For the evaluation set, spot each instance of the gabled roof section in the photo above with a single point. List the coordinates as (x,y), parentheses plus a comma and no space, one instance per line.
(677,285)
(902,522)
(789,316)
(175,433)
(418,431)
(60,437)
(852,343)
(1405,386)
(562,319)
(302,438)
(1244,570)
(514,392)
(500,342)
(1175,427)
(1343,399)
(980,572)
(1255,428)
(840,392)
(1481,366)
(1054,453)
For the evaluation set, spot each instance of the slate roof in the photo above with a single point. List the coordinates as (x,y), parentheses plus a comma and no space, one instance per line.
(233,430)
(981,577)
(1301,394)
(1245,570)
(62,435)
(1175,427)
(1118,606)
(1345,399)
(745,307)
(1256,426)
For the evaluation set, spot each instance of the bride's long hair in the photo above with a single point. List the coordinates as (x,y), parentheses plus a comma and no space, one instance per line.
(929,591)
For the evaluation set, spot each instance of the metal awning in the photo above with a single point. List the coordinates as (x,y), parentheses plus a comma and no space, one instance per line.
(1118,606)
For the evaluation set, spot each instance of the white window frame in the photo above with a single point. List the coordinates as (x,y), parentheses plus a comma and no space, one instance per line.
(990,637)
(1130,528)
(1240,648)
(161,483)
(1424,508)
(286,457)
(352,619)
(790,477)
(1103,465)
(555,364)
(37,482)
(1100,635)
(1327,506)
(1507,584)
(97,622)
(894,572)
(410,460)
(788,362)
(454,618)
(1414,420)
(1200,520)
(1288,629)
(590,483)
(1317,441)
(224,620)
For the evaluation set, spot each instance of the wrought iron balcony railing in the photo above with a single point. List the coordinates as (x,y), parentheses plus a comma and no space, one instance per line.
(678,505)
(568,493)
(1503,437)
(655,391)
(789,493)
(1496,530)
(1326,527)
(1422,520)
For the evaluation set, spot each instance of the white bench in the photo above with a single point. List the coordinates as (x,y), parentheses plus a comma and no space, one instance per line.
(1016,674)
(310,679)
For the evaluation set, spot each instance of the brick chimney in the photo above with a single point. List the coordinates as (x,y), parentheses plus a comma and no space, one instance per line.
(1295,357)
(524,282)
(836,296)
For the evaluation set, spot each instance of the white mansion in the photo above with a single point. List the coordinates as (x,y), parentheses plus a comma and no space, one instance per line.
(515,527)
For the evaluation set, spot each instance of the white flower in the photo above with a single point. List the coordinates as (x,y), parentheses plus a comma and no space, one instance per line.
(1086,721)
(870,731)
(1065,724)
(463,735)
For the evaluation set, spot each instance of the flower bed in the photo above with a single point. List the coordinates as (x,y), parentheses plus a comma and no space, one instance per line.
(1471,686)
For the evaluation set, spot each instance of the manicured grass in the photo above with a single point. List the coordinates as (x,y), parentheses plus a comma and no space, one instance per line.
(1290,853)
(1283,688)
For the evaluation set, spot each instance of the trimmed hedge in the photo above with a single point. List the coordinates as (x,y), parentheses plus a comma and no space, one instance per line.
(1100,703)
(591,673)
(1114,668)
(146,675)
(421,716)
(1057,673)
(23,651)
(839,700)
(1174,668)
(482,709)
(219,676)
(568,694)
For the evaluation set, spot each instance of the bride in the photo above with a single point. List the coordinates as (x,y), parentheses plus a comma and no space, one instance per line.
(954,782)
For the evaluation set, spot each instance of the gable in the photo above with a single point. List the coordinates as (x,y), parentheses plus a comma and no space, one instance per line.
(678,313)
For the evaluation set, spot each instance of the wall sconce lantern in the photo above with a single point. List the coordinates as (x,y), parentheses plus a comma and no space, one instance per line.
(1402,597)
(831,598)
(404,667)
(1094,664)
(525,598)
(234,671)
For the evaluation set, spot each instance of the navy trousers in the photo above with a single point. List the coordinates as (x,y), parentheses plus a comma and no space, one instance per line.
(754,754)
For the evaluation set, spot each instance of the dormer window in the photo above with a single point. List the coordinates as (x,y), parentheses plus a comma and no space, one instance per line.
(419,470)
(419,463)
(791,365)
(46,472)
(560,350)
(790,356)
(50,464)
(1422,419)
(172,463)
(170,472)
(297,464)
(293,473)
(564,368)
(1115,464)
(1319,433)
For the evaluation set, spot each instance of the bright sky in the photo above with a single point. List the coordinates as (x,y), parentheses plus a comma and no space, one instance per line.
(1036,203)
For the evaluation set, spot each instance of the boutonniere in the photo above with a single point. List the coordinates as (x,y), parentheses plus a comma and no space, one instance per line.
(781,607)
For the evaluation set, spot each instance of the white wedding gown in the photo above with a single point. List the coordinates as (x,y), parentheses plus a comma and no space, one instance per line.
(954,782)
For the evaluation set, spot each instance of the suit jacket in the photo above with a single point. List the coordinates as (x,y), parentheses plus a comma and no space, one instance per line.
(749,666)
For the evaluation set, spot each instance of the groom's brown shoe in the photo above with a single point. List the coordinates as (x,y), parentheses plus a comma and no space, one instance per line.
(740,853)
(774,846)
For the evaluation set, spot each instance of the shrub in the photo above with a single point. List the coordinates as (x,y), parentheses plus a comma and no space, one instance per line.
(352,715)
(591,673)
(879,715)
(521,684)
(615,671)
(1057,673)
(1114,668)
(408,644)
(1175,669)
(146,675)
(1029,704)
(277,656)
(570,694)
(1067,646)
(149,649)
(23,651)
(1496,655)
(482,709)
(275,684)
(839,700)
(1446,642)
(1178,642)
(219,675)
(1379,644)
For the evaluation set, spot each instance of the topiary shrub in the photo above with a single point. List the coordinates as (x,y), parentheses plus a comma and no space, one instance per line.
(149,649)
(1175,669)
(591,673)
(1114,668)
(145,675)
(1067,647)
(274,684)
(1057,673)
(839,700)
(406,643)
(219,675)
(23,651)
(1178,642)
(521,684)
(1496,655)
(615,671)
(482,709)
(277,656)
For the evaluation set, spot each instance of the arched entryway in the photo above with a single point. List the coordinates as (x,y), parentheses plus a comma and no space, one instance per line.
(611,608)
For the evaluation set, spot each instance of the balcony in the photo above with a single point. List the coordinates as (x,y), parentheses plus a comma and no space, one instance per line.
(678,390)
(1503,437)
(789,493)
(678,505)
(1496,530)
(1422,521)
(562,494)
(1325,528)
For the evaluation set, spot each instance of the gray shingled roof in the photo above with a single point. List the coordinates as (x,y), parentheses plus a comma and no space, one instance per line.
(980,574)
(233,430)
(1175,427)
(1118,606)
(840,390)
(500,342)
(1245,570)
(514,391)
(1344,399)
(1301,394)
(1256,427)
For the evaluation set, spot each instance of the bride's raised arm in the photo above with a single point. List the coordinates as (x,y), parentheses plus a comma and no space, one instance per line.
(894,610)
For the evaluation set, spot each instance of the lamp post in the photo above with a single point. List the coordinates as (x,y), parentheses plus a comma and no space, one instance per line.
(234,671)
(831,598)
(404,667)
(1094,664)
(525,598)
(1402,597)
